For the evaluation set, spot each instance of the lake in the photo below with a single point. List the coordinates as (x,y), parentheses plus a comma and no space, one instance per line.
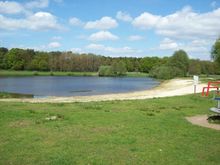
(42,86)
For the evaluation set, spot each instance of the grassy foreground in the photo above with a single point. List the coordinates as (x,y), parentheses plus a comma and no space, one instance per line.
(149,132)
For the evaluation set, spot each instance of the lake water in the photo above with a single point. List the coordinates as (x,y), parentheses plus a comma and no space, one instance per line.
(41,86)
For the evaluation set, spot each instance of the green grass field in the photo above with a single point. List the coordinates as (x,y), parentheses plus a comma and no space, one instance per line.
(152,131)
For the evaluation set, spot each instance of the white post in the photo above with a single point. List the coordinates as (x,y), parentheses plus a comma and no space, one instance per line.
(196,82)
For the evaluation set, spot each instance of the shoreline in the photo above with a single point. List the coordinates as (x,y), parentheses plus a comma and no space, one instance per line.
(168,88)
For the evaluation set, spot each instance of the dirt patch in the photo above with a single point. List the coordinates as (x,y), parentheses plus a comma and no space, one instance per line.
(20,123)
(201,120)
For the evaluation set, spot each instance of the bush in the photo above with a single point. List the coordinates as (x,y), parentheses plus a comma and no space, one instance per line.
(165,72)
(119,68)
(35,73)
(105,71)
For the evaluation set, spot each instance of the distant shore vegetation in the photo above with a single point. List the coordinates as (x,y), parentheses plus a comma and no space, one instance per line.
(178,65)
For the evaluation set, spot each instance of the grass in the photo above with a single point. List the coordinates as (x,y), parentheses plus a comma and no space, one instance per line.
(152,131)
(206,79)
(14,95)
(137,74)
(47,73)
(37,73)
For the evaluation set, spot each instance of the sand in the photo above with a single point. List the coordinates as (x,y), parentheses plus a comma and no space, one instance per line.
(174,87)
(201,120)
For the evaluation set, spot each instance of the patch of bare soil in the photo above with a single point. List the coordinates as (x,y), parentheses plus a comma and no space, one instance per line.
(201,120)
(20,123)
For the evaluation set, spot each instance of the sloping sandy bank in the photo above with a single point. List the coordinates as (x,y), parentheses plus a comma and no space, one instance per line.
(172,87)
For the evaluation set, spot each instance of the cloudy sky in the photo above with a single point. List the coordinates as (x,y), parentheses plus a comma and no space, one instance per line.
(115,28)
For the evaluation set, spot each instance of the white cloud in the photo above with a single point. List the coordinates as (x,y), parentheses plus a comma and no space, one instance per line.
(75,21)
(95,46)
(53,45)
(123,16)
(37,4)
(102,35)
(37,21)
(185,29)
(183,24)
(102,24)
(77,50)
(13,7)
(193,48)
(10,7)
(135,38)
(115,51)
(168,44)
(146,21)
(42,20)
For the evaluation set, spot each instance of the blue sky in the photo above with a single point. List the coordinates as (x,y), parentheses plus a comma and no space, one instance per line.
(132,28)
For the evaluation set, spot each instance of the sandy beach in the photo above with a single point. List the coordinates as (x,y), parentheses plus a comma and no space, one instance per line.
(174,87)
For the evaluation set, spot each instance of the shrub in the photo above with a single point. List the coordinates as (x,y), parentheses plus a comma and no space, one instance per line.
(165,72)
(35,73)
(119,68)
(105,71)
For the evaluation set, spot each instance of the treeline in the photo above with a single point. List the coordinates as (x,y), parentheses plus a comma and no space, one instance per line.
(28,59)
(179,65)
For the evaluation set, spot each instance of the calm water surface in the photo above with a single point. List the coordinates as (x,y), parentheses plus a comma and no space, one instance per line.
(41,86)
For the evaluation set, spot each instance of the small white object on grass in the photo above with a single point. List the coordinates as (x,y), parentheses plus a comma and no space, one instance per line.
(51,118)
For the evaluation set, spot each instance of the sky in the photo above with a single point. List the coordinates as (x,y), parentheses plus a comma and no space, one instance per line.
(116,28)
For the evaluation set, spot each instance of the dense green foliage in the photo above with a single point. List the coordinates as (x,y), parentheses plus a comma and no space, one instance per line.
(180,61)
(30,60)
(179,65)
(116,69)
(105,71)
(165,72)
(152,131)
(176,66)
(194,67)
(27,59)
(215,53)
(3,52)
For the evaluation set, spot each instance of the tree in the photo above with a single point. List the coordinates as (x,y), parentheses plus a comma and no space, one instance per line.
(215,52)
(119,68)
(40,62)
(164,72)
(105,71)
(147,63)
(208,67)
(194,67)
(28,57)
(180,60)
(15,59)
(3,52)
